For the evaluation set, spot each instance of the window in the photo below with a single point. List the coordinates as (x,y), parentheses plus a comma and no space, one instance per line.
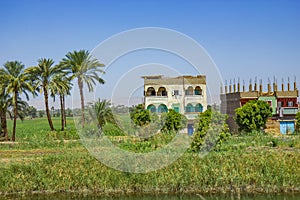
(150,92)
(176,92)
(198,108)
(152,108)
(189,108)
(162,91)
(189,91)
(269,102)
(279,104)
(198,91)
(176,109)
(290,104)
(162,108)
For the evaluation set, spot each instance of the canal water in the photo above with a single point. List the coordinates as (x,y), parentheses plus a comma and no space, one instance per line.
(156,197)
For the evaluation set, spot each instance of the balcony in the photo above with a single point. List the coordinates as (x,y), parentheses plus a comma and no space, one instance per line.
(191,116)
(156,99)
(194,98)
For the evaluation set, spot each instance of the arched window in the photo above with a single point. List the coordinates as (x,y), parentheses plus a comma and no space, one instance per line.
(176,107)
(189,108)
(152,108)
(162,108)
(189,91)
(162,91)
(150,92)
(198,108)
(198,90)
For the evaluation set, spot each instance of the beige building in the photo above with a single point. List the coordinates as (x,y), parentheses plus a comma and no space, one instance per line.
(184,94)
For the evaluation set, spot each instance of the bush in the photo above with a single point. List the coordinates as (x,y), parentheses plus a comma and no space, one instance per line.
(139,116)
(173,121)
(253,115)
(211,129)
(112,130)
(298,122)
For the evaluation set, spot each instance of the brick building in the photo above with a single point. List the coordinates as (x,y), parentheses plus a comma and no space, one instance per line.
(283,102)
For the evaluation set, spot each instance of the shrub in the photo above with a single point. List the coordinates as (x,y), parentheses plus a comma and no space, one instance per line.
(139,116)
(211,129)
(253,115)
(112,130)
(173,121)
(298,122)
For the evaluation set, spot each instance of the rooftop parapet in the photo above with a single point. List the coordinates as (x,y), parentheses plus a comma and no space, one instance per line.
(255,91)
(160,80)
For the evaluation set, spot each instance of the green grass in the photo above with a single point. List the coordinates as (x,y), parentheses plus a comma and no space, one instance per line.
(45,161)
(76,170)
(37,126)
(36,134)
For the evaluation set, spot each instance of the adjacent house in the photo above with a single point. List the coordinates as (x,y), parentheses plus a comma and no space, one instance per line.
(184,94)
(283,102)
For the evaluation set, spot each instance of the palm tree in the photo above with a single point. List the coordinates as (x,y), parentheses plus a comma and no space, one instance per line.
(103,113)
(5,102)
(86,70)
(43,75)
(61,86)
(15,81)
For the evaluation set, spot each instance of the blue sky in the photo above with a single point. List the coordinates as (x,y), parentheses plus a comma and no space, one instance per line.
(244,38)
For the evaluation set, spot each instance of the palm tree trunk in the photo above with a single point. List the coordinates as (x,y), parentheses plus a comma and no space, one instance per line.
(13,138)
(64,106)
(80,85)
(47,109)
(62,115)
(4,125)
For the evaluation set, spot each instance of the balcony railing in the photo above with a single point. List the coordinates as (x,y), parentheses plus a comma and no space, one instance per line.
(193,97)
(191,115)
(156,98)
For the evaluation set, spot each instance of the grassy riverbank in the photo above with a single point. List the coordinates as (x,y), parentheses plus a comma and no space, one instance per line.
(57,162)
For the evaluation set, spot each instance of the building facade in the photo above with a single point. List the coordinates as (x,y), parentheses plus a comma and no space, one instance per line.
(184,94)
(282,101)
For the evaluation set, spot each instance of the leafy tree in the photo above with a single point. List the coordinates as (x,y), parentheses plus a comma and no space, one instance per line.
(86,70)
(69,112)
(32,111)
(145,123)
(173,121)
(253,115)
(41,113)
(139,116)
(298,121)
(15,82)
(103,113)
(43,75)
(211,129)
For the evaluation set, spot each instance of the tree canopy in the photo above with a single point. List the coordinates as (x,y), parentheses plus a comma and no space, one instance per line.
(253,115)
(173,121)
(210,130)
(139,116)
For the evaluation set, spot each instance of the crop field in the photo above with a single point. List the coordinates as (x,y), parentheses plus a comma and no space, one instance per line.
(45,161)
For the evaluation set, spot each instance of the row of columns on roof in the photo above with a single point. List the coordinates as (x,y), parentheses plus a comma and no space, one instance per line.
(236,87)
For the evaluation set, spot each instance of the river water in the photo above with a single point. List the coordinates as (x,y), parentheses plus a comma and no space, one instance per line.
(156,197)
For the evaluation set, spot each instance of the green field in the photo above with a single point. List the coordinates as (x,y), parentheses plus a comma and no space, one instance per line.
(45,161)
